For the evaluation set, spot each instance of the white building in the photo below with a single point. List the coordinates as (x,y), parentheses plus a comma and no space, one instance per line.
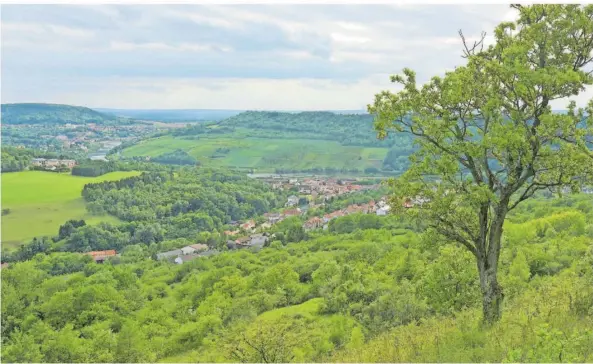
(187,250)
(383,210)
(292,201)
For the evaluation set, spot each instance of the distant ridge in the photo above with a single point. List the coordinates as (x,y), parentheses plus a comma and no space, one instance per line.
(172,115)
(178,115)
(39,113)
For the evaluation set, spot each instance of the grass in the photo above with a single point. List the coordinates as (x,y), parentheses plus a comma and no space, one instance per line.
(264,154)
(40,202)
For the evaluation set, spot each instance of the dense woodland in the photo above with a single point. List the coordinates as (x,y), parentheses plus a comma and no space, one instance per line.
(14,160)
(373,294)
(163,210)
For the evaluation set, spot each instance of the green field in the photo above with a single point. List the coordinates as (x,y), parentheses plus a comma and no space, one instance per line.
(40,202)
(264,154)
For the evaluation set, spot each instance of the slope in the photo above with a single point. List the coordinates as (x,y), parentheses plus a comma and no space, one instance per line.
(37,113)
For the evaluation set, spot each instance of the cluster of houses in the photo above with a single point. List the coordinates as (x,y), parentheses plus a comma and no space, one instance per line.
(256,241)
(178,256)
(380,208)
(187,253)
(318,187)
(53,163)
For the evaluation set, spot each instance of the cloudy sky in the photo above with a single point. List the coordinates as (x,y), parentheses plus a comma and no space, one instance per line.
(299,57)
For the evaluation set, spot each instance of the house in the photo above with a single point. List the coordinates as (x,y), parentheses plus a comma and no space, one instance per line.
(408,203)
(292,201)
(273,217)
(199,247)
(293,212)
(265,225)
(258,241)
(4,265)
(102,255)
(305,190)
(178,260)
(38,162)
(68,163)
(383,210)
(169,255)
(313,223)
(249,225)
(52,163)
(230,233)
(241,242)
(187,250)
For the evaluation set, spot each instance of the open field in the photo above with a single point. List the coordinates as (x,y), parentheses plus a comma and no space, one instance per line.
(40,202)
(264,154)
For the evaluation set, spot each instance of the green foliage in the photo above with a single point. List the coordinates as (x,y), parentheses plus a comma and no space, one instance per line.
(14,159)
(370,296)
(487,132)
(178,156)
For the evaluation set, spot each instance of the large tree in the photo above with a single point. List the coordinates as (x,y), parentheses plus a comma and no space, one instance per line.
(488,138)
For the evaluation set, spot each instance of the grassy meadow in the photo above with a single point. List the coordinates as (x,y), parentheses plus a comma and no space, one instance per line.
(40,202)
(264,154)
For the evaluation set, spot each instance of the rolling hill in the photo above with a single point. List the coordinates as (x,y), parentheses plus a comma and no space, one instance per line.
(285,141)
(37,113)
(172,115)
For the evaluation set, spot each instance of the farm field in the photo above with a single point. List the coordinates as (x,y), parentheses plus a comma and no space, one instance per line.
(40,202)
(264,154)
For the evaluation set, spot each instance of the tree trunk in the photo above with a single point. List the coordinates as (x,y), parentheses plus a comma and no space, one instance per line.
(492,294)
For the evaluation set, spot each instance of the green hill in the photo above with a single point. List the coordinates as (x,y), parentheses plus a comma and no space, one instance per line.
(319,141)
(30,113)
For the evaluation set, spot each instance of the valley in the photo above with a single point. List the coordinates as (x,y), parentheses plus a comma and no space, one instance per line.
(451,220)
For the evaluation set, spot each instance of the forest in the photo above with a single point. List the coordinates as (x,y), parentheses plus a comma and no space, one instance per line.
(380,294)
(162,210)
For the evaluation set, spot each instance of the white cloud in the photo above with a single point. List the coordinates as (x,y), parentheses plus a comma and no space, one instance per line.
(158,46)
(300,94)
(342,38)
(319,56)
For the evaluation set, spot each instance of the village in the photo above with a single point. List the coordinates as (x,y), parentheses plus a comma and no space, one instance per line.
(255,234)
(52,164)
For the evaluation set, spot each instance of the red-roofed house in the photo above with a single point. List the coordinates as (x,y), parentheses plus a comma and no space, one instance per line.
(249,225)
(313,223)
(293,212)
(102,255)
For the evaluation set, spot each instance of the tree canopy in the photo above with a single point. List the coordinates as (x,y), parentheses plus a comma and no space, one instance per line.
(487,131)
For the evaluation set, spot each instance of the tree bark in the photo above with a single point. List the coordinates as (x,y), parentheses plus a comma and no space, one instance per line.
(492,295)
(487,259)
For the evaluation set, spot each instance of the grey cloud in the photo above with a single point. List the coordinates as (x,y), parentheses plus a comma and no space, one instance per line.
(259,41)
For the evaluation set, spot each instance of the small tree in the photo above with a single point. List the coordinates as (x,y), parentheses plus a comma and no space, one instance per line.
(487,134)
